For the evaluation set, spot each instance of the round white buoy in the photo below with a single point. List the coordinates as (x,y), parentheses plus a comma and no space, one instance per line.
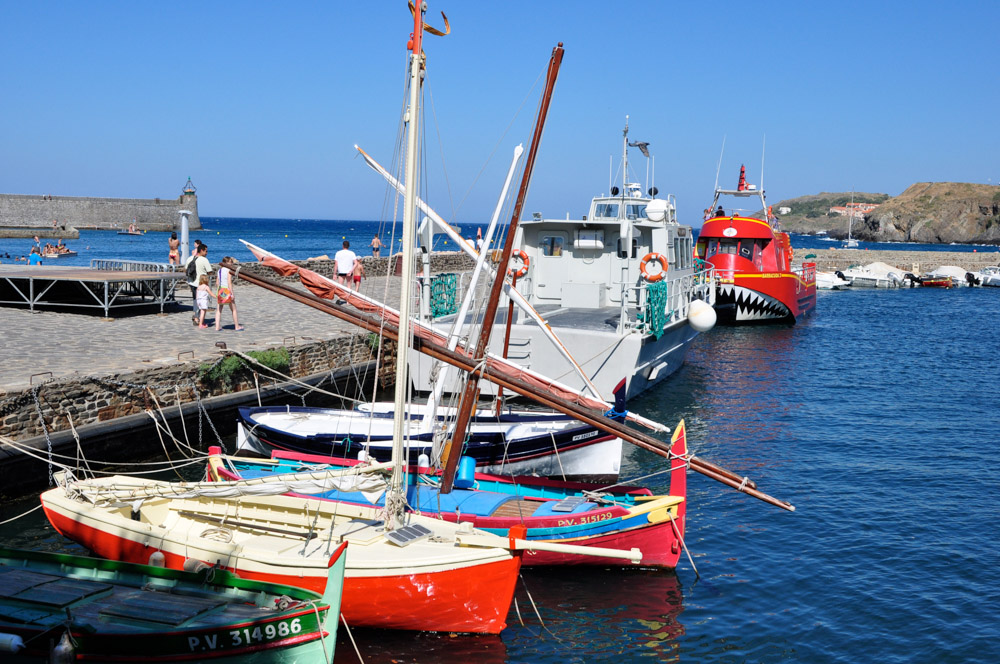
(423,461)
(157,559)
(362,455)
(701,315)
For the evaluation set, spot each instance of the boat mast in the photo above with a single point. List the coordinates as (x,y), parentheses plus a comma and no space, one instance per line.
(625,233)
(467,402)
(394,503)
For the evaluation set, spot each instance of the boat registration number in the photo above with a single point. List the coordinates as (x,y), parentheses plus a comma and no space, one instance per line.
(241,638)
(586,518)
(585,436)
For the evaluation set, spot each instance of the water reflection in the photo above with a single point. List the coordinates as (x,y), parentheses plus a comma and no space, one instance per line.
(596,615)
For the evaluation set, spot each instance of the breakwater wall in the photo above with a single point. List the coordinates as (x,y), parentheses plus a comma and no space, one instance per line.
(32,214)
(909,261)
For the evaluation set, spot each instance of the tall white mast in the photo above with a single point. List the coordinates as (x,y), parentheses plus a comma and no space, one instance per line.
(395,503)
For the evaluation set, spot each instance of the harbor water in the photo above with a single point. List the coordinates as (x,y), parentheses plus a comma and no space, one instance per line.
(876,417)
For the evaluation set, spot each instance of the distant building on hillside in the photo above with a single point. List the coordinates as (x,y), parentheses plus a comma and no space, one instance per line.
(854,210)
(784,209)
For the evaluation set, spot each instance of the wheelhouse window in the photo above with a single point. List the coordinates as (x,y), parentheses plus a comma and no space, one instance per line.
(551,245)
(606,211)
(727,246)
(635,211)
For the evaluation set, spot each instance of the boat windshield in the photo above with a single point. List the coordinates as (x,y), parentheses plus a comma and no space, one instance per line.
(610,211)
(606,211)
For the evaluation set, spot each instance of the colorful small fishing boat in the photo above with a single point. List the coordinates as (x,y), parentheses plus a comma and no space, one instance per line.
(517,442)
(63,608)
(577,513)
(429,582)
(753,263)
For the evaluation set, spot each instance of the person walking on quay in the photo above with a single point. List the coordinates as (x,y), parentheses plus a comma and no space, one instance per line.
(195,267)
(203,299)
(174,256)
(376,246)
(358,274)
(224,280)
(345,260)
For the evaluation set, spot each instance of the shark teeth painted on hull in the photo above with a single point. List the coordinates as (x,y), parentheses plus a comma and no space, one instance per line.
(751,305)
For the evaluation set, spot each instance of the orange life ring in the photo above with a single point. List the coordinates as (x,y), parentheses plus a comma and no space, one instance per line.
(659,258)
(525,262)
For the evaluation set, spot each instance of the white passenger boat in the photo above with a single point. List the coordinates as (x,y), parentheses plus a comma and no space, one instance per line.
(619,288)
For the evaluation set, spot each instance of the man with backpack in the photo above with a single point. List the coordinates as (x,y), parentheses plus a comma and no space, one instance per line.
(196,266)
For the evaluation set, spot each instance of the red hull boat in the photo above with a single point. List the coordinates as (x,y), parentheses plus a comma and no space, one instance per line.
(753,264)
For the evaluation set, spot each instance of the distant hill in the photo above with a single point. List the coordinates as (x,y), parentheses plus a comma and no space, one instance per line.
(931,212)
(811,214)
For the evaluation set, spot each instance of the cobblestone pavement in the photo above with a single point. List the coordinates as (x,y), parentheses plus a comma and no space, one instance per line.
(85,344)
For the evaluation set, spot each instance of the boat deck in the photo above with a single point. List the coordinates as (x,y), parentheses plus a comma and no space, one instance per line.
(604,319)
(80,287)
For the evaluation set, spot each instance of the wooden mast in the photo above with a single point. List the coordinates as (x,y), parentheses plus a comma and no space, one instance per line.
(470,393)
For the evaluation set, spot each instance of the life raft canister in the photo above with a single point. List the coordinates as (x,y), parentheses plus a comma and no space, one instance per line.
(643,267)
(525,262)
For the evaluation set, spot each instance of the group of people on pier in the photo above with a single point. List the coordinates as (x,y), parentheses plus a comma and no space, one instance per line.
(198,271)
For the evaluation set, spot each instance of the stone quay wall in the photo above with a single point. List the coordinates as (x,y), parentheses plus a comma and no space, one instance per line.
(32,213)
(90,399)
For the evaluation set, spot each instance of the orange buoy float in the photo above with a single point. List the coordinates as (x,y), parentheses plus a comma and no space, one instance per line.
(644,267)
(525,262)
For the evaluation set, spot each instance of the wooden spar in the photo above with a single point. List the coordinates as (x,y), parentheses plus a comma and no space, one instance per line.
(470,392)
(506,340)
(374,324)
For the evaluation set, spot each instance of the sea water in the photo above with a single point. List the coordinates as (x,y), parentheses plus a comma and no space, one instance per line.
(298,239)
(876,417)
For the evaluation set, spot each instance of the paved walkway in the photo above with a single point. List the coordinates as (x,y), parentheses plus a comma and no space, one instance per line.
(85,344)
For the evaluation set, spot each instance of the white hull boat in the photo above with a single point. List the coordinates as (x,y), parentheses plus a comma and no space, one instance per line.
(831,281)
(619,288)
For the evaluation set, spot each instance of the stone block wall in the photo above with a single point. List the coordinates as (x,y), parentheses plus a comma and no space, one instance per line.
(99,398)
(151,214)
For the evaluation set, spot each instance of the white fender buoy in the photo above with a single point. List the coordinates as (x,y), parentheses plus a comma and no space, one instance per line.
(157,559)
(423,461)
(10,642)
(193,565)
(362,455)
(701,316)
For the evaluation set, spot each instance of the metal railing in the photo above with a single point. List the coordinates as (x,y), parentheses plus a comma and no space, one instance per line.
(681,291)
(120,265)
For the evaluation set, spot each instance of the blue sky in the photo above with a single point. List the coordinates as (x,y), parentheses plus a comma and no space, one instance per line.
(260,104)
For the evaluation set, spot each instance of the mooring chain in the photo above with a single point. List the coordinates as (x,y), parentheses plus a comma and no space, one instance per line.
(45,430)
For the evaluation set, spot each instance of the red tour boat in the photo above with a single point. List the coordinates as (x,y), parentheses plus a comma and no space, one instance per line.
(757,282)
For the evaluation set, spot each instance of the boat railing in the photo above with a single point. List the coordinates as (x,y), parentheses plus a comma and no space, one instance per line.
(118,265)
(681,291)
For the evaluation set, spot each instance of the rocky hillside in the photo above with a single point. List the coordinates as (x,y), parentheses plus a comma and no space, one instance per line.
(811,214)
(931,212)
